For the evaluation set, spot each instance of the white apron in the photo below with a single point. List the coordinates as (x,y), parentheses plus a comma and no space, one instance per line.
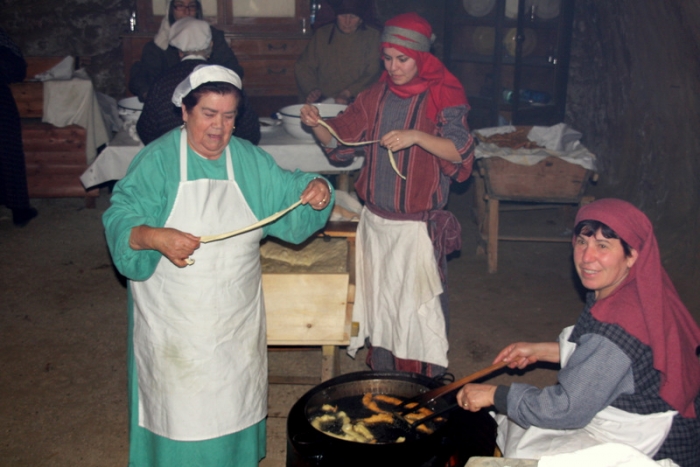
(646,433)
(397,304)
(199,331)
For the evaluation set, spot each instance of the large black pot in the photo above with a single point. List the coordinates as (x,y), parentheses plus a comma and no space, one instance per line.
(464,435)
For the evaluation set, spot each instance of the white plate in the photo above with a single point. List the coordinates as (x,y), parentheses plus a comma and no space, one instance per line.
(546,9)
(268,124)
(512,9)
(478,7)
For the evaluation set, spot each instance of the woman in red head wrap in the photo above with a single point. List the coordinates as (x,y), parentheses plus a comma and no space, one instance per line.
(415,117)
(630,372)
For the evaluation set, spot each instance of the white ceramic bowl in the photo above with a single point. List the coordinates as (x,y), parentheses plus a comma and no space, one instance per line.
(291,121)
(130,109)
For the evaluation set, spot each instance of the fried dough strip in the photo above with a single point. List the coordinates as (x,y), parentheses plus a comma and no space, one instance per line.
(379,418)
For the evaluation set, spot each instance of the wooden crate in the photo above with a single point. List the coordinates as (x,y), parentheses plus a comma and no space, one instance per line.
(307,309)
(313,309)
(551,180)
(55,160)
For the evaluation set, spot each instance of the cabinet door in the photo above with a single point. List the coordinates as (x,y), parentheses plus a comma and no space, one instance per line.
(512,58)
(239,16)
(267,16)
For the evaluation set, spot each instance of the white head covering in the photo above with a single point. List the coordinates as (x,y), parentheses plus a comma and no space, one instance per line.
(189,34)
(161,38)
(205,74)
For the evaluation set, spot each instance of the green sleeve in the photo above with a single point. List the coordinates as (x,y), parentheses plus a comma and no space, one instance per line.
(136,200)
(269,189)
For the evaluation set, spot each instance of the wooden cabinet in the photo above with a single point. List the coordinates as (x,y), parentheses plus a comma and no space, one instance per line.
(500,49)
(236,16)
(267,37)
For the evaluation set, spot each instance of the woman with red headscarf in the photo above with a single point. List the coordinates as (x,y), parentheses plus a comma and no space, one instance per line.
(630,372)
(417,117)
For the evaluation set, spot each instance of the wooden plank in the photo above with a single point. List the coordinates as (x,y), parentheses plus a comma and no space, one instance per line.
(302,380)
(306,309)
(268,47)
(29,98)
(55,186)
(492,243)
(50,171)
(56,158)
(340,229)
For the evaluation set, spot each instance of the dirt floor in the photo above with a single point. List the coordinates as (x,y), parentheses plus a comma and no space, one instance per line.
(63,328)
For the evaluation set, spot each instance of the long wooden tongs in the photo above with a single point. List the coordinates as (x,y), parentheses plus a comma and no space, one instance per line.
(421,400)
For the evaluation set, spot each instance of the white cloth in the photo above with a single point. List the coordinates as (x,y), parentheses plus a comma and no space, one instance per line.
(62,70)
(163,34)
(73,102)
(199,331)
(289,153)
(645,433)
(604,455)
(558,141)
(189,34)
(397,302)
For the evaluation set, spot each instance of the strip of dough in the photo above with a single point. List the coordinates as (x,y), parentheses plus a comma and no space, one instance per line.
(267,220)
(362,143)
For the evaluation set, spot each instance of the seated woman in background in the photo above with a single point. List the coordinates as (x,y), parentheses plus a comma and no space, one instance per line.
(342,58)
(192,38)
(629,368)
(157,56)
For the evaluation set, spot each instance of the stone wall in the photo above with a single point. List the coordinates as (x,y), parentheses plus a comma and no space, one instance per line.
(74,27)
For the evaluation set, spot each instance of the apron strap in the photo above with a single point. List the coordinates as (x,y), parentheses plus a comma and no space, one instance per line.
(183,154)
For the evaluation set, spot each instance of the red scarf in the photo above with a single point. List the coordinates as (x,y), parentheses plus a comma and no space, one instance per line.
(444,88)
(663,322)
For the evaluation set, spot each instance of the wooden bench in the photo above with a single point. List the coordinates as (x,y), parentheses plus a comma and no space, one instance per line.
(54,157)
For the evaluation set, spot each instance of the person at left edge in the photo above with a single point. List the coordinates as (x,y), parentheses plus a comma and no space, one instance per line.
(157,55)
(197,358)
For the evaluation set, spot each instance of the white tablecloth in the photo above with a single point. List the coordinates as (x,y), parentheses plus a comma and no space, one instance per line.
(290,153)
(73,101)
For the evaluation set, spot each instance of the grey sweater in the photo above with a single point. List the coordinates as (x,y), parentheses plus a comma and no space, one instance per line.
(595,375)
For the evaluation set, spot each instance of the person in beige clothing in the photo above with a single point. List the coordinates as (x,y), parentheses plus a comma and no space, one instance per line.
(342,58)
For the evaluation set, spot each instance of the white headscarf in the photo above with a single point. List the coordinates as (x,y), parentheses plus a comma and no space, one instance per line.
(189,34)
(205,74)
(161,38)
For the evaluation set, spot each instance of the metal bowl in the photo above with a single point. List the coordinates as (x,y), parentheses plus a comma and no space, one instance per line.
(291,121)
(130,109)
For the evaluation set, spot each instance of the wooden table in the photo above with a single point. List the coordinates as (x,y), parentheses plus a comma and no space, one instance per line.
(551,181)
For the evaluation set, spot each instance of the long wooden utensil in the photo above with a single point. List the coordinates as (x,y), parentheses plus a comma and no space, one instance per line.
(427,397)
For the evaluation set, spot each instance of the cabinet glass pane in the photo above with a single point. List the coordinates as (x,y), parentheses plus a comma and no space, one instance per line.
(160,7)
(264,8)
(536,10)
